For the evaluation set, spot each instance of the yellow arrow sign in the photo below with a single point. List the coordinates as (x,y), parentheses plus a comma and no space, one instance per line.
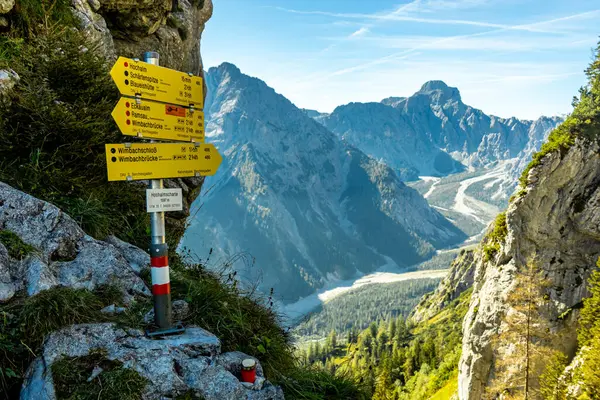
(159,121)
(157,83)
(139,161)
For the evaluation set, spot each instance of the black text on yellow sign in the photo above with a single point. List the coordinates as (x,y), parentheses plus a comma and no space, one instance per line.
(154,120)
(139,161)
(156,83)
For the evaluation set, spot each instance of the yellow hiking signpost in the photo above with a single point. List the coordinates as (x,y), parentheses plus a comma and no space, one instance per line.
(152,120)
(159,103)
(151,82)
(139,161)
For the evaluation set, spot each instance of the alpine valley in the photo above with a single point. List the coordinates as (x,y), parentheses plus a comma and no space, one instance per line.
(307,201)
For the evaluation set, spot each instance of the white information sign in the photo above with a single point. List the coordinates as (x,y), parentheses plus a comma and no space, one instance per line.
(160,200)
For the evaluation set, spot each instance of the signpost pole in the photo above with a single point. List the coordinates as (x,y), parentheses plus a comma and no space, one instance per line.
(161,287)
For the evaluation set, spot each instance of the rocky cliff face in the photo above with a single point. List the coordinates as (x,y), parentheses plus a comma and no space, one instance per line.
(556,224)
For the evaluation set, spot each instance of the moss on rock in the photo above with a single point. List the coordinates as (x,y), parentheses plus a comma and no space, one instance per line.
(74,378)
(16,248)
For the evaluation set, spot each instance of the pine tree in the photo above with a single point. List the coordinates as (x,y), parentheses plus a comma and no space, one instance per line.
(589,336)
(551,387)
(392,328)
(383,383)
(517,371)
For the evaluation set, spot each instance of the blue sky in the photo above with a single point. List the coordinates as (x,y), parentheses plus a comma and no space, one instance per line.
(507,57)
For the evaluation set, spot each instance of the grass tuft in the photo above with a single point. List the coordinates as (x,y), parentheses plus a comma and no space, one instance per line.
(16,248)
(115,382)
(315,384)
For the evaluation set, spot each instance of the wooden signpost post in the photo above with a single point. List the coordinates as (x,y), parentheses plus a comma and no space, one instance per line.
(159,104)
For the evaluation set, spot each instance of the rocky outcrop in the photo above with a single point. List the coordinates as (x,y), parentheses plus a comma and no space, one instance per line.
(172,366)
(556,223)
(63,254)
(130,27)
(459,279)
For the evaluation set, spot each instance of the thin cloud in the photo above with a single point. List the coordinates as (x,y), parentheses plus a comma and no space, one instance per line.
(361,32)
(396,16)
(495,44)
(437,42)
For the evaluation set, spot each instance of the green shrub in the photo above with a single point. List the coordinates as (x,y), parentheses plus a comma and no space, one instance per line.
(30,17)
(70,376)
(584,122)
(16,248)
(316,384)
(53,129)
(495,238)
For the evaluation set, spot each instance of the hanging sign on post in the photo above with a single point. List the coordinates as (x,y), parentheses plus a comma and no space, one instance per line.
(151,82)
(152,120)
(162,200)
(140,161)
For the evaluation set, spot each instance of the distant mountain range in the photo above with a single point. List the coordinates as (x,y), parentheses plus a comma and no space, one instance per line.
(433,132)
(308,206)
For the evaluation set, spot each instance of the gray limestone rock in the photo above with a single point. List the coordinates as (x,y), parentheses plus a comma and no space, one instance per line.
(172,365)
(7,284)
(137,258)
(65,255)
(459,278)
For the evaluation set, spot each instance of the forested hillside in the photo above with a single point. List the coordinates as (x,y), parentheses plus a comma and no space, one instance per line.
(395,359)
(357,309)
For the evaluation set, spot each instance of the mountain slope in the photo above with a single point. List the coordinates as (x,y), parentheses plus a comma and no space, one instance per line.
(433,132)
(308,207)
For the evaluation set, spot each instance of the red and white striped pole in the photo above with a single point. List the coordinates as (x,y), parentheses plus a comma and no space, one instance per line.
(159,251)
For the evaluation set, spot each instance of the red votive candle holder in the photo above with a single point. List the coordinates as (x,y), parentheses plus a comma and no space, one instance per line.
(248,370)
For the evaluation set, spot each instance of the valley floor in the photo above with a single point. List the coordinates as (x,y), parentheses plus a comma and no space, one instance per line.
(307,304)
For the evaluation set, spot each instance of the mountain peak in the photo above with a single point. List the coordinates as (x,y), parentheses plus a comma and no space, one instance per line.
(430,86)
(226,67)
(447,92)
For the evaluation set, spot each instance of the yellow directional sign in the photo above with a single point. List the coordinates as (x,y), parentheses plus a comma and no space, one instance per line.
(157,83)
(159,121)
(139,161)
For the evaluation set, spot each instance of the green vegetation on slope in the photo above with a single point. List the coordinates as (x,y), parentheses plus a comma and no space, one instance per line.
(25,321)
(494,239)
(53,127)
(584,122)
(395,360)
(359,307)
(589,335)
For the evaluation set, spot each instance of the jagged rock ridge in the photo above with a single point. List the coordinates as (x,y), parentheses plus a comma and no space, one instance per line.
(434,133)
(307,206)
